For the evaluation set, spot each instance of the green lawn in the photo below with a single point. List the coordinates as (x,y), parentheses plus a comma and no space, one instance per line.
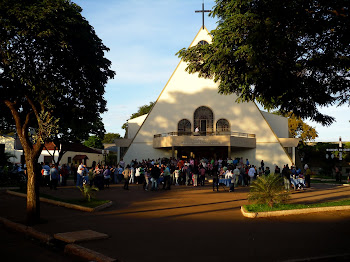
(277,207)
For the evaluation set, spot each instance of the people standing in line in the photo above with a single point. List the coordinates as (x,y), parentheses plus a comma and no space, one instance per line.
(64,174)
(286,177)
(80,175)
(122,164)
(155,174)
(177,176)
(74,172)
(91,175)
(120,174)
(277,170)
(201,175)
(308,177)
(132,175)
(195,175)
(126,173)
(337,174)
(236,173)
(215,175)
(251,174)
(46,174)
(54,177)
(229,175)
(166,175)
(188,175)
(241,175)
(147,179)
(106,176)
(138,174)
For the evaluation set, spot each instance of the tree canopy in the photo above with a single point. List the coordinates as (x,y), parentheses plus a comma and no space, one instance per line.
(293,56)
(299,129)
(110,137)
(94,142)
(52,76)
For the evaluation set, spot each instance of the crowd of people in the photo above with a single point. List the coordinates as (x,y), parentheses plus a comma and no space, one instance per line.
(164,173)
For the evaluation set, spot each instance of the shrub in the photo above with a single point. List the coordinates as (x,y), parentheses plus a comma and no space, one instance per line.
(88,192)
(268,190)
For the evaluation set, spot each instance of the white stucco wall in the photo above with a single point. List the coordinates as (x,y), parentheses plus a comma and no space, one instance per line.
(279,124)
(91,157)
(183,94)
(134,125)
(9,143)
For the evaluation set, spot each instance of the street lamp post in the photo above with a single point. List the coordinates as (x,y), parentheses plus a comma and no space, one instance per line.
(105,154)
(340,150)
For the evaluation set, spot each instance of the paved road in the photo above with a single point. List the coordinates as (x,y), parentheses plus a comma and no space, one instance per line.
(196,224)
(15,247)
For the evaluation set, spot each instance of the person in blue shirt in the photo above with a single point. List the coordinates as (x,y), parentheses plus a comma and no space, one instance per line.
(54,176)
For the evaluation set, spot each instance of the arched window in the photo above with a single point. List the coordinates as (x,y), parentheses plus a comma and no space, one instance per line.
(183,126)
(203,118)
(223,126)
(202,42)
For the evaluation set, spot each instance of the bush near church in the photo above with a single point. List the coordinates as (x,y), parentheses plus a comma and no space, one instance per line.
(268,190)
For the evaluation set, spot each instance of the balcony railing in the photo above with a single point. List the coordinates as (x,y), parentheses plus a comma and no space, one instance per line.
(218,133)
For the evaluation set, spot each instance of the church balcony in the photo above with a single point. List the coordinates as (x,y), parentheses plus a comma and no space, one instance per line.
(180,139)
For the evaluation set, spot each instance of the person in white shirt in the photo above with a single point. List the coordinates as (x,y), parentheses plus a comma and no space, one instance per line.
(132,176)
(251,174)
(230,175)
(80,175)
(138,174)
(236,173)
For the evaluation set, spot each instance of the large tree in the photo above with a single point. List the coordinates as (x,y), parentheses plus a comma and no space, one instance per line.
(109,138)
(299,129)
(94,142)
(293,56)
(52,77)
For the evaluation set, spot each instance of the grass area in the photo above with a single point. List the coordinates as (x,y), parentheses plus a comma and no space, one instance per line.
(80,201)
(278,207)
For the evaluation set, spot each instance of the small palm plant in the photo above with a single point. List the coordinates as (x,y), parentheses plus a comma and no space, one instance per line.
(268,190)
(88,191)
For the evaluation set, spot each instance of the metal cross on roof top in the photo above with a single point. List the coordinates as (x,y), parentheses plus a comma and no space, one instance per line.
(202,11)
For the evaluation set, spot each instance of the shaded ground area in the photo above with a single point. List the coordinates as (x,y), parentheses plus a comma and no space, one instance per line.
(197,224)
(16,247)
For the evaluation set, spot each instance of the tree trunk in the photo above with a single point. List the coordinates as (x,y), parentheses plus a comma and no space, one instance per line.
(33,205)
(32,153)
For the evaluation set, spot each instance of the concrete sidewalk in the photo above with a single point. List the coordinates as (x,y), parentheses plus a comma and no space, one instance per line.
(195,224)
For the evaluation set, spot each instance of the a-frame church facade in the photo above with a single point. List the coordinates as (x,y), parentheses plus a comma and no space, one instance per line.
(191,119)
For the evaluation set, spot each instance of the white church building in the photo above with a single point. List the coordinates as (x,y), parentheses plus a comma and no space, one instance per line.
(191,119)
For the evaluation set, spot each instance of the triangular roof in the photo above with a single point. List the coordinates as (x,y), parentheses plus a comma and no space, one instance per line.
(185,92)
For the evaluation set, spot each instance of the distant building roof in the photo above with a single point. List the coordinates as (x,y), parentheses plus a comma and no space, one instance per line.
(73,147)
(80,157)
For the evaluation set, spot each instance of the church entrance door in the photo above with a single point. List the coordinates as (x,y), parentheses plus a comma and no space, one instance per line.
(203,127)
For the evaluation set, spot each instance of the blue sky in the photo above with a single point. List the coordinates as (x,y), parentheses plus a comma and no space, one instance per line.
(143,37)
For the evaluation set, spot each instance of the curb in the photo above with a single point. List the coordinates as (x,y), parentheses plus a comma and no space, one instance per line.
(29,231)
(88,254)
(291,212)
(67,205)
(70,249)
